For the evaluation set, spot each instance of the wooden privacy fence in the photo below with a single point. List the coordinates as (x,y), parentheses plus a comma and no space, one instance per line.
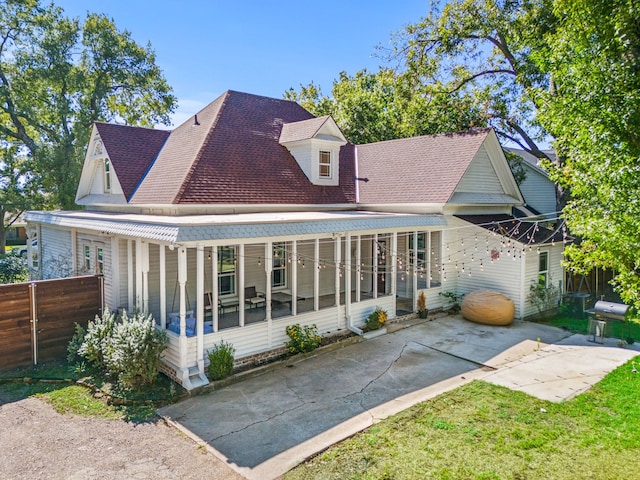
(37,319)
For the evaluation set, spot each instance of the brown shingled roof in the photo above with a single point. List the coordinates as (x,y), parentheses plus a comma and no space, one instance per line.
(233,156)
(423,169)
(131,151)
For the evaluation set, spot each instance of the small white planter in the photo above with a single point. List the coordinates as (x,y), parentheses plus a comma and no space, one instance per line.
(375,333)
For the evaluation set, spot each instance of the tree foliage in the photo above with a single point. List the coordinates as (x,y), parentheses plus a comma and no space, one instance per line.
(593,112)
(57,77)
(565,70)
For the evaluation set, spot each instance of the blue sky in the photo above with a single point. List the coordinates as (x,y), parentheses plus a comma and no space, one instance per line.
(264,47)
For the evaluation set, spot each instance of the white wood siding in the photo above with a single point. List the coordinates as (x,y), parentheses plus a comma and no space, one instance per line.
(480,176)
(538,191)
(555,273)
(55,248)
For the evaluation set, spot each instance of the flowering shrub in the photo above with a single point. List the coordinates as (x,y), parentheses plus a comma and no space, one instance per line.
(302,339)
(95,338)
(126,349)
(376,319)
(134,349)
(221,360)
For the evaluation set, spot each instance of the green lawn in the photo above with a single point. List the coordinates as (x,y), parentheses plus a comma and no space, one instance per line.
(482,431)
(614,329)
(56,383)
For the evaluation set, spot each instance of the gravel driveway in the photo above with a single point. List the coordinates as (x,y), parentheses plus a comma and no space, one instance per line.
(38,443)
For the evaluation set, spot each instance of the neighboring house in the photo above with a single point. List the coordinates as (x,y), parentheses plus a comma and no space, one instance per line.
(255,194)
(538,191)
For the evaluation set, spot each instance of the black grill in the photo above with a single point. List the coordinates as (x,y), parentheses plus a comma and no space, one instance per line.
(604,310)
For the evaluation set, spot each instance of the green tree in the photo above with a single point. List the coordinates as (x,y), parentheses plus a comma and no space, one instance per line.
(58,76)
(593,111)
(371,107)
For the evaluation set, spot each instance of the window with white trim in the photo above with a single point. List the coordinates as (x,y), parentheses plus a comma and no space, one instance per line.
(227,270)
(99,260)
(543,268)
(324,164)
(87,258)
(107,176)
(279,269)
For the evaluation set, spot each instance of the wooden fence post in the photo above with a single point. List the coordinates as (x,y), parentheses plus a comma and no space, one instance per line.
(34,320)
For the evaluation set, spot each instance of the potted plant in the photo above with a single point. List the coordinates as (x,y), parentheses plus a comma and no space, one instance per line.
(422,305)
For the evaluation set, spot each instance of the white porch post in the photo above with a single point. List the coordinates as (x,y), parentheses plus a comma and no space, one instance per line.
(336,260)
(74,253)
(200,307)
(359,264)
(182,280)
(163,287)
(214,288)
(138,296)
(294,278)
(374,264)
(240,264)
(347,277)
(427,259)
(415,271)
(316,275)
(115,268)
(130,267)
(145,276)
(394,261)
(268,268)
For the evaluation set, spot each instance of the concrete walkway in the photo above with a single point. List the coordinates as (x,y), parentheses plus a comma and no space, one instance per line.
(265,425)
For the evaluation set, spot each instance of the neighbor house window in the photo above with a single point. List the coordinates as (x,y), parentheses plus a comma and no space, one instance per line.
(325,164)
(227,270)
(87,258)
(99,261)
(107,176)
(279,273)
(543,268)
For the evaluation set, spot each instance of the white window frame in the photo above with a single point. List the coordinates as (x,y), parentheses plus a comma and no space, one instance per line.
(100,260)
(279,265)
(87,257)
(325,164)
(107,175)
(226,253)
(543,273)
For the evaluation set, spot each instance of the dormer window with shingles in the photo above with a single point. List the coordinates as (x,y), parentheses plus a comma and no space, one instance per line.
(315,144)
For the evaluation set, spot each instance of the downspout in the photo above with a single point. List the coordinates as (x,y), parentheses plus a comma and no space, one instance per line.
(350,324)
(355,156)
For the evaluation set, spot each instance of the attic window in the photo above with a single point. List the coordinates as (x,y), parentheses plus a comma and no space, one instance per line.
(107,176)
(324,164)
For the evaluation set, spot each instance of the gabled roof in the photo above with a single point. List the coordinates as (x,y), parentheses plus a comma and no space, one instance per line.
(231,155)
(423,169)
(307,129)
(131,151)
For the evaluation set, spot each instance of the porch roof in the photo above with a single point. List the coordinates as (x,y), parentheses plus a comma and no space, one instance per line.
(221,227)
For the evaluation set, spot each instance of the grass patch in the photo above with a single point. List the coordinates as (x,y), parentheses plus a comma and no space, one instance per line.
(620,330)
(55,383)
(483,431)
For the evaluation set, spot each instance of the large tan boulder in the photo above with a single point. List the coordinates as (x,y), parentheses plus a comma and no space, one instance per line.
(488,307)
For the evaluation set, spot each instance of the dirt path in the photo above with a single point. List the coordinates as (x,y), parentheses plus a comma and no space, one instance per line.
(38,443)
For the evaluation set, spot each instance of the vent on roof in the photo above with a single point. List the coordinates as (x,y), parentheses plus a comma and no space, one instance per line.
(195,121)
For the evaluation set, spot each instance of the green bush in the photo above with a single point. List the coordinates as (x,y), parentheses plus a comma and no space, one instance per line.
(126,349)
(221,360)
(302,339)
(376,319)
(73,349)
(133,351)
(13,268)
(94,344)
